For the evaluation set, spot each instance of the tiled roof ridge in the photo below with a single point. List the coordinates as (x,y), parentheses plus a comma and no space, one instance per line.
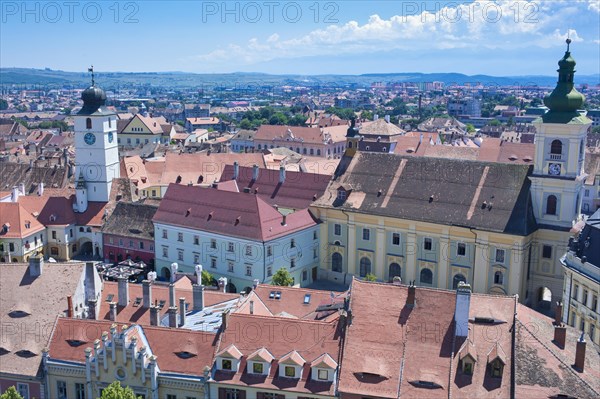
(280,287)
(568,367)
(472,161)
(321,322)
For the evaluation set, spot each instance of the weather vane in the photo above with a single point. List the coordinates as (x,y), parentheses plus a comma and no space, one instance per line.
(568,39)
(91,69)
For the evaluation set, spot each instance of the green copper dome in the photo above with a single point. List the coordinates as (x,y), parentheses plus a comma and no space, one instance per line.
(564,98)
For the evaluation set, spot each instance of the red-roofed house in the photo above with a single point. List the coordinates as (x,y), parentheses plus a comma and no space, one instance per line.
(236,235)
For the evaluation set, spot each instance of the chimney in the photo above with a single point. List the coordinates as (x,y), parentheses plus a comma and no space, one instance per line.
(172,316)
(147,293)
(255,283)
(14,196)
(461,312)
(198,293)
(410,299)
(22,188)
(281,174)
(558,314)
(31,164)
(224,319)
(182,310)
(580,353)
(171,295)
(387,118)
(375,117)
(284,221)
(223,284)
(255,172)
(113,311)
(36,266)
(123,291)
(41,189)
(560,335)
(70,306)
(251,307)
(93,284)
(236,170)
(174,268)
(153,315)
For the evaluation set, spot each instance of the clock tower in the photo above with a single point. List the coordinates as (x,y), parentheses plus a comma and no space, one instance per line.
(560,138)
(96,149)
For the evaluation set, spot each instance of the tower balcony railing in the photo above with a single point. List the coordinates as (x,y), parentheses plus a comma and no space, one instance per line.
(556,157)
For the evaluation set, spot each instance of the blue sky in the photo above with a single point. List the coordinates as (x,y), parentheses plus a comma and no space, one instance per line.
(302,37)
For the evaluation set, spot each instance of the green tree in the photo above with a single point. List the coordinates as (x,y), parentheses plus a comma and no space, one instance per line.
(282,278)
(470,128)
(11,393)
(368,115)
(245,124)
(3,104)
(116,391)
(495,122)
(207,278)
(370,277)
(297,120)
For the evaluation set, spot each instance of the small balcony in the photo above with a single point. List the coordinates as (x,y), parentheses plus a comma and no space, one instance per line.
(556,157)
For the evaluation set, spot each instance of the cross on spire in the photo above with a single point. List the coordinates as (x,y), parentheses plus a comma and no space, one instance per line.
(91,69)
(568,43)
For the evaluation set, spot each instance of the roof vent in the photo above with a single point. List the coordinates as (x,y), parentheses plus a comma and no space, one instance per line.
(188,212)
(431,198)
(247,189)
(379,193)
(513,157)
(210,215)
(237,220)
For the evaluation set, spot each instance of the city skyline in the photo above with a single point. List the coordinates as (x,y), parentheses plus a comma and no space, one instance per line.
(507,38)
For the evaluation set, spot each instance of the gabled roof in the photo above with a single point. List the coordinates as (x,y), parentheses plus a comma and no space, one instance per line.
(262,355)
(325,360)
(292,357)
(242,215)
(19,222)
(231,351)
(291,135)
(468,349)
(496,353)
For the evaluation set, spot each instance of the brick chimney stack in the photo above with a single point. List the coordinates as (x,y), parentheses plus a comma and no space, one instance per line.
(410,299)
(182,310)
(558,314)
(580,353)
(123,291)
(153,315)
(113,311)
(147,293)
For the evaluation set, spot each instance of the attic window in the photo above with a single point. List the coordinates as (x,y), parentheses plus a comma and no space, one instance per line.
(425,384)
(16,314)
(161,304)
(25,353)
(306,299)
(137,301)
(341,194)
(278,295)
(487,320)
(513,157)
(4,351)
(185,354)
(109,297)
(75,342)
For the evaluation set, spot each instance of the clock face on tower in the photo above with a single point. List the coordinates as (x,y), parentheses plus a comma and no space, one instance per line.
(554,169)
(110,137)
(89,138)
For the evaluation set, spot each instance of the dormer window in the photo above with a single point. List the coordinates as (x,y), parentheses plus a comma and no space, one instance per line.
(341,195)
(496,369)
(290,365)
(257,368)
(496,361)
(290,371)
(228,359)
(323,375)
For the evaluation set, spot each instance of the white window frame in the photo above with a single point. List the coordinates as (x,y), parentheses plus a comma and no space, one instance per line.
(23,390)
(337,229)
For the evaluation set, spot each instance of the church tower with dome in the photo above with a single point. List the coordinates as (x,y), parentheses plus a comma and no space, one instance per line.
(96,148)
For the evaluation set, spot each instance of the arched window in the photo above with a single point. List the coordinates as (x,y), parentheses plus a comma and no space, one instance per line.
(166,273)
(349,144)
(88,123)
(312,151)
(426,276)
(395,270)
(365,266)
(318,152)
(259,146)
(298,150)
(304,151)
(336,262)
(498,278)
(551,205)
(556,147)
(457,279)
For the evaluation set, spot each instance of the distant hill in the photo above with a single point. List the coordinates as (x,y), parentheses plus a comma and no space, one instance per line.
(109,80)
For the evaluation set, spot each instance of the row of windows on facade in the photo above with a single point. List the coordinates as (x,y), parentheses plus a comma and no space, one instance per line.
(461,248)
(287,371)
(304,151)
(140,244)
(394,270)
(139,141)
(591,330)
(230,245)
(79,391)
(230,264)
(593,305)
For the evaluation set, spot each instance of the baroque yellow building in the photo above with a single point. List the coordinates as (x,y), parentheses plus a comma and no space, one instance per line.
(500,226)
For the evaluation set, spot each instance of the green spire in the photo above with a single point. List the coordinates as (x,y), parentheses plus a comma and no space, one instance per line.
(564,98)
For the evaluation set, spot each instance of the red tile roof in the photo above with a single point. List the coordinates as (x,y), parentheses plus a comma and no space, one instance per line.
(160,292)
(229,213)
(164,343)
(302,340)
(19,222)
(297,191)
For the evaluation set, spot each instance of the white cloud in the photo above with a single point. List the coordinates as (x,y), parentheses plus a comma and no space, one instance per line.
(482,24)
